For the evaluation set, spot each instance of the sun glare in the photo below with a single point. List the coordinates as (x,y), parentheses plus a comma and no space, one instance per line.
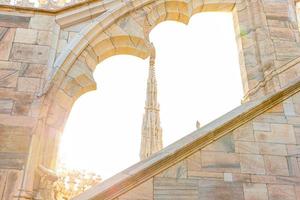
(198,79)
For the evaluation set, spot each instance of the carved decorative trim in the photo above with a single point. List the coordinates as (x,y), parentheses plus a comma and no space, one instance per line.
(268,77)
(7,7)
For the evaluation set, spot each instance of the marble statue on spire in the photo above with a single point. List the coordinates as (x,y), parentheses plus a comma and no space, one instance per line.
(151,141)
(198,124)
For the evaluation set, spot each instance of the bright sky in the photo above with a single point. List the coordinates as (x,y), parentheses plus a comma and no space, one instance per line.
(198,79)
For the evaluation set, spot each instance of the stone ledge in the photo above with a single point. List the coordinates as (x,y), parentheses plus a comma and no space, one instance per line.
(146,169)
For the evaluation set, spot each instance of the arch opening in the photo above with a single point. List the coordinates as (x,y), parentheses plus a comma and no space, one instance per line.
(107,118)
(176,80)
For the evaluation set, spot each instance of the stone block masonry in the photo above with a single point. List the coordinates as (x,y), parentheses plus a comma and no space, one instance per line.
(235,167)
(47,59)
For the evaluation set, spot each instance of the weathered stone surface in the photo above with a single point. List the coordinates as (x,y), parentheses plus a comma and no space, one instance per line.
(7,65)
(244,133)
(207,175)
(276,165)
(270,118)
(297,188)
(224,144)
(41,22)
(293,165)
(28,84)
(3,174)
(246,147)
(8,78)
(258,126)
(30,53)
(6,106)
(288,107)
(12,160)
(170,188)
(220,190)
(297,109)
(13,180)
(282,33)
(239,177)
(8,143)
(61,45)
(293,120)
(194,162)
(57,116)
(22,107)
(255,191)
(33,70)
(3,31)
(14,21)
(220,162)
(27,36)
(284,47)
(6,42)
(194,167)
(64,100)
(177,171)
(286,192)
(287,180)
(286,76)
(253,164)
(272,149)
(281,133)
(44,38)
(263,179)
(293,150)
(10,93)
(9,120)
(15,130)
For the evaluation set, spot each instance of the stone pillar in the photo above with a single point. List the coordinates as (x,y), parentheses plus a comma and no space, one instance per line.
(268,37)
(27,52)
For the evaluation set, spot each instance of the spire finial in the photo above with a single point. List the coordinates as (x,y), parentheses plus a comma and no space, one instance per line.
(151,131)
(152,55)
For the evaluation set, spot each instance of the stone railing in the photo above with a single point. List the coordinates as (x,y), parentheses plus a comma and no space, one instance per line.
(42,4)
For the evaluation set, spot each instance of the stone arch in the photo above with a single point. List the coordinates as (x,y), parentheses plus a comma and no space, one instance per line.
(148,16)
(143,16)
(124,29)
(181,10)
(121,45)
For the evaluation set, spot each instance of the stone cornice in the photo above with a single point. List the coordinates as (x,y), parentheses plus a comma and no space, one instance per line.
(23,9)
(144,170)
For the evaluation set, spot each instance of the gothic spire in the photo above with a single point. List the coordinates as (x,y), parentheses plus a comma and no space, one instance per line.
(151,131)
